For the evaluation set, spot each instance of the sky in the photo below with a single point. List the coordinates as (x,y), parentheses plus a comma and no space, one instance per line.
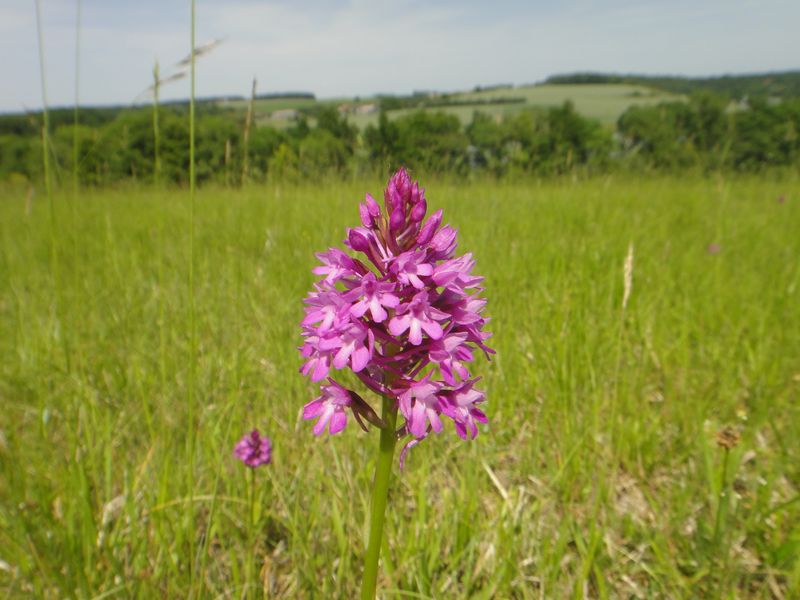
(363,47)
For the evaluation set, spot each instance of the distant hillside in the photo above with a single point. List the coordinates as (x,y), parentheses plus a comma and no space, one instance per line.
(785,84)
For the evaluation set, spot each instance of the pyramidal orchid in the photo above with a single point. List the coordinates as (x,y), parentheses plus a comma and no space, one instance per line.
(403,313)
(254,449)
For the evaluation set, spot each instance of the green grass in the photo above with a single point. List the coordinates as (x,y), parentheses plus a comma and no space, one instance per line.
(599,475)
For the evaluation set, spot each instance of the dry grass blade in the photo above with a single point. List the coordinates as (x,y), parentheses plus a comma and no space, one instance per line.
(627,273)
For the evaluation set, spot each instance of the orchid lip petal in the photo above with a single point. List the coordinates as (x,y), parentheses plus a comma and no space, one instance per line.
(337,422)
(359,359)
(415,332)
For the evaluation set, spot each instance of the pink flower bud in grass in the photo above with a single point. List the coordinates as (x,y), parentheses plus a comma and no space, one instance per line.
(370,212)
(443,243)
(358,241)
(254,449)
(397,219)
(373,208)
(418,211)
(364,240)
(430,227)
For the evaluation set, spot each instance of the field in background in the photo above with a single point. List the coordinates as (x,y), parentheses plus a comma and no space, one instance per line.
(600,475)
(603,102)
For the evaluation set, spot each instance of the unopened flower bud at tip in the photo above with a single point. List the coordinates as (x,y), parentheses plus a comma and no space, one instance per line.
(357,240)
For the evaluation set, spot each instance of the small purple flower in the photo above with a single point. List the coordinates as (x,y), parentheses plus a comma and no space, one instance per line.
(450,353)
(329,408)
(319,361)
(254,449)
(409,267)
(405,318)
(455,274)
(460,405)
(420,405)
(326,309)
(416,316)
(464,310)
(352,343)
(372,295)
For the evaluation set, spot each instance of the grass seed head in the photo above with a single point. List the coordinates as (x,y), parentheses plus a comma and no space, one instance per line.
(728,438)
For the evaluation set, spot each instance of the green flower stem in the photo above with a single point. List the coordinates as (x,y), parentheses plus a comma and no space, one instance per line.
(251,538)
(722,499)
(380,497)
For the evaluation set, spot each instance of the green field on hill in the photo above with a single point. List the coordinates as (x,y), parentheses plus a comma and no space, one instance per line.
(600,474)
(602,102)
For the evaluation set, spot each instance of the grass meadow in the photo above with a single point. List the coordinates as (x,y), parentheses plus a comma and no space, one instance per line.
(601,474)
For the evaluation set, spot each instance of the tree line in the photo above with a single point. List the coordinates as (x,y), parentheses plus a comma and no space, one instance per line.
(706,133)
(780,84)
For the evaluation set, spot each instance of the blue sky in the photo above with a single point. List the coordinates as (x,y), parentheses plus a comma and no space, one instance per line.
(362,47)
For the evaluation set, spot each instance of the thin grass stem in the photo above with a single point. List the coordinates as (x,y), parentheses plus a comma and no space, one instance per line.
(156,133)
(46,140)
(251,545)
(192,324)
(48,184)
(75,179)
(721,500)
(248,121)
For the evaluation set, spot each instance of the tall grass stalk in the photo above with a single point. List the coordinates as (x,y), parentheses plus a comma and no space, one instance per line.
(75,183)
(722,498)
(162,327)
(76,158)
(248,121)
(203,549)
(46,142)
(156,133)
(48,184)
(627,285)
(162,331)
(192,433)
